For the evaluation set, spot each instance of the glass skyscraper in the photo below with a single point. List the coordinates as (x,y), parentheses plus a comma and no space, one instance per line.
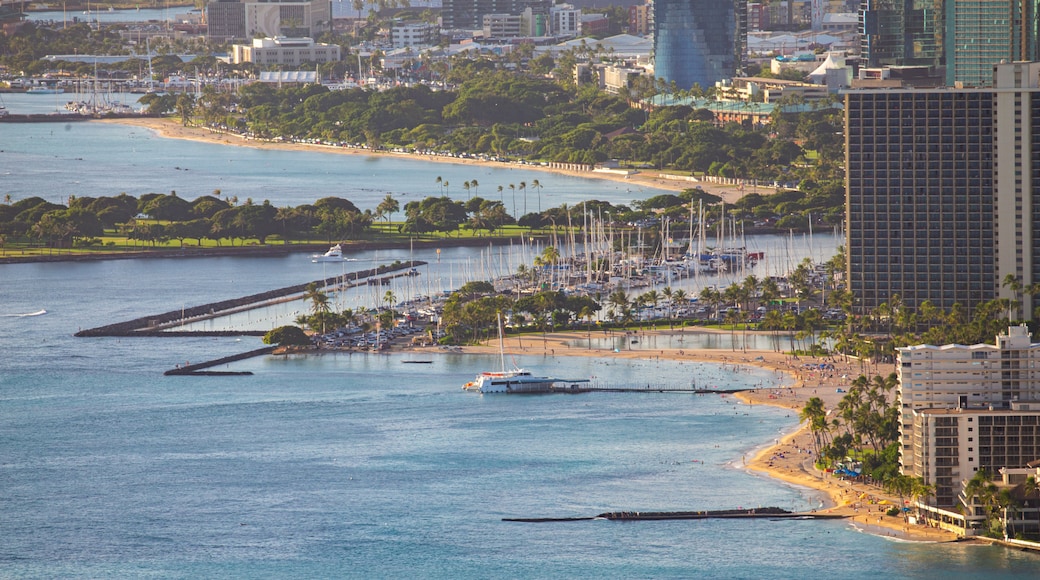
(699,41)
(901,32)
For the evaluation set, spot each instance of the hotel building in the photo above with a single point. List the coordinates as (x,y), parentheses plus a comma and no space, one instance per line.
(943,191)
(965,408)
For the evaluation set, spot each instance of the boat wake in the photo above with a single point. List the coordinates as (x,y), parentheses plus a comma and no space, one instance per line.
(37,313)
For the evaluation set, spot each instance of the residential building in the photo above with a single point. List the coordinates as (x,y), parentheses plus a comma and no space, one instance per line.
(758,16)
(640,19)
(405,34)
(289,18)
(284,51)
(930,173)
(699,42)
(951,445)
(565,20)
(919,197)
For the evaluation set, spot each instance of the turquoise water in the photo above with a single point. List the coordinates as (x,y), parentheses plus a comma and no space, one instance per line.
(360,466)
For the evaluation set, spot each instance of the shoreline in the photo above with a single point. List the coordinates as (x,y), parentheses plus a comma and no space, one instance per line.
(170,129)
(782,459)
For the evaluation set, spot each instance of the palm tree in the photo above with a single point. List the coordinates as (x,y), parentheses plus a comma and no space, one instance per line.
(1032,487)
(473,183)
(440,182)
(389,298)
(503,199)
(1015,284)
(512,189)
(538,185)
(713,297)
(587,313)
(619,302)
(523,188)
(816,415)
(320,306)
(465,186)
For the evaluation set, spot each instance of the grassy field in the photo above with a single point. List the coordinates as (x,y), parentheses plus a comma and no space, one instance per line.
(114,242)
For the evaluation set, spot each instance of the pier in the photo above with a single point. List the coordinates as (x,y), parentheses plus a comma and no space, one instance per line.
(579,387)
(199,369)
(773,513)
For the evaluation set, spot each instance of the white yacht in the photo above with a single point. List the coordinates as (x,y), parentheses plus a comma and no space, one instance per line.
(335,254)
(515,381)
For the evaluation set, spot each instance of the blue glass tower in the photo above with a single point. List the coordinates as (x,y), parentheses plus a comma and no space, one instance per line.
(699,41)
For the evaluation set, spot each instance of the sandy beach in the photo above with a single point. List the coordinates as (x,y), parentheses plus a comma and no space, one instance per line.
(172,129)
(786,458)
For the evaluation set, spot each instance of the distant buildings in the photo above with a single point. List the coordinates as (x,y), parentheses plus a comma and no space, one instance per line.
(699,42)
(469,14)
(243,19)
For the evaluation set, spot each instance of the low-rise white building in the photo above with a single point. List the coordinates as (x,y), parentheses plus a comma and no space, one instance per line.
(565,20)
(284,51)
(502,25)
(405,34)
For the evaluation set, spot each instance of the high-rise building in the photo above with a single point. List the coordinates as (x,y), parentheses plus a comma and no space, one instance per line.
(919,197)
(979,36)
(231,19)
(982,33)
(699,42)
(901,32)
(943,192)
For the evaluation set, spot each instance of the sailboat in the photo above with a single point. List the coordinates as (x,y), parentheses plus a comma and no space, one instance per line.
(517,380)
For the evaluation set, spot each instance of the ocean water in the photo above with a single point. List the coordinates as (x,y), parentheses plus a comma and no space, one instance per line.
(362,466)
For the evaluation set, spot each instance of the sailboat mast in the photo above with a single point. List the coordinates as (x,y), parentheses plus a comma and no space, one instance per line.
(501,343)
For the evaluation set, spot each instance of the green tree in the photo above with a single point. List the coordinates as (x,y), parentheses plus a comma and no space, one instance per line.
(287,336)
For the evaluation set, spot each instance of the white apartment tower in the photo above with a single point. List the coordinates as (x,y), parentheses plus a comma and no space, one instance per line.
(968,407)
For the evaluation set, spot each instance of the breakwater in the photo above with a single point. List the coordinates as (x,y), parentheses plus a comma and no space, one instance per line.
(755,513)
(199,369)
(152,325)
